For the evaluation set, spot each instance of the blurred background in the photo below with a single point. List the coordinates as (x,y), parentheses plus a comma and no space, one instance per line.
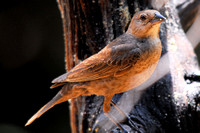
(31,56)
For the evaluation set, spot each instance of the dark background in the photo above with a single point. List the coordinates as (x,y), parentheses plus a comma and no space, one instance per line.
(31,56)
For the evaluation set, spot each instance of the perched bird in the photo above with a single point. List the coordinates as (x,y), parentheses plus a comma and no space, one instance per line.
(123,64)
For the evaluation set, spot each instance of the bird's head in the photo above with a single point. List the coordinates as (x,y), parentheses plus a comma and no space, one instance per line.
(146,24)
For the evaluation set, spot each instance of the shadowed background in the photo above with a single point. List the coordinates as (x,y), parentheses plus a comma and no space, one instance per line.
(31,56)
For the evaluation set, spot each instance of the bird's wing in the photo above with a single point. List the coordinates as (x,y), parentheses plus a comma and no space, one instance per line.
(113,61)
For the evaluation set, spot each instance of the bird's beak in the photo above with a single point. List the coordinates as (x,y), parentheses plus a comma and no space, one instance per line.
(158,18)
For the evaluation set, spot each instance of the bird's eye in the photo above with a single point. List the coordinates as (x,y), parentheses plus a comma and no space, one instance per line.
(143,17)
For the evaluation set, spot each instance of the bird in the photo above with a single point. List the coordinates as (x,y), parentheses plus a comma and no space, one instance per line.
(123,64)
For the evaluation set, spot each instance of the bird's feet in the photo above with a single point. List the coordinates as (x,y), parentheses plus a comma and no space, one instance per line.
(134,125)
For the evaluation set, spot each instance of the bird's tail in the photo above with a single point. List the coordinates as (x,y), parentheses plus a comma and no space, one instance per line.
(56,100)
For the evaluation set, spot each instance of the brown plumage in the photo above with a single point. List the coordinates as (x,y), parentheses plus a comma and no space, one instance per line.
(123,64)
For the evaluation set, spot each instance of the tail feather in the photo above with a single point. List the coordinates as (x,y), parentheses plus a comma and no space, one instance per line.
(56,100)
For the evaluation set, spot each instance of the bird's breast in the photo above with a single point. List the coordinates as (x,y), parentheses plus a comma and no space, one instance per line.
(144,67)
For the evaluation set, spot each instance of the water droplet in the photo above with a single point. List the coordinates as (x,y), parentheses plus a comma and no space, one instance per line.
(96,121)
(82,113)
(97,129)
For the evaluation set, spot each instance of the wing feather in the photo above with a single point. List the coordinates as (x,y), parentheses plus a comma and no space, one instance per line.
(113,60)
